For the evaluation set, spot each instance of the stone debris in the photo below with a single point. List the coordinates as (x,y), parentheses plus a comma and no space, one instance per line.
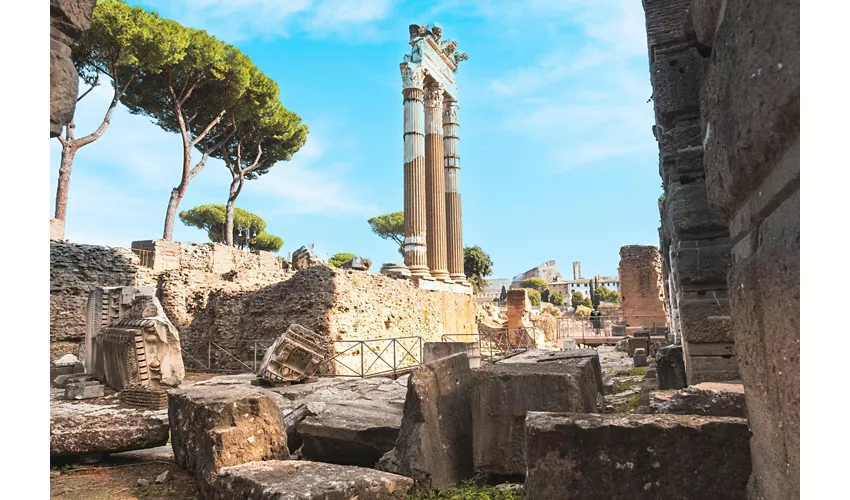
(351,432)
(102,426)
(296,355)
(434,445)
(394,270)
(631,457)
(144,483)
(142,396)
(162,478)
(305,258)
(305,480)
(358,264)
(216,426)
(62,381)
(670,365)
(715,399)
(87,389)
(503,393)
(640,357)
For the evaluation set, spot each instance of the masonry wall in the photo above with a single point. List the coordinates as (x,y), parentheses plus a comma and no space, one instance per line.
(695,237)
(641,287)
(747,85)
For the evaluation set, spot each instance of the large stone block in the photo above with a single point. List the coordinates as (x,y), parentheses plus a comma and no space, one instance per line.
(664,27)
(765,295)
(434,446)
(705,16)
(709,399)
(710,368)
(503,394)
(351,432)
(303,480)
(216,426)
(751,97)
(705,318)
(433,351)
(633,457)
(676,78)
(687,212)
(703,262)
(670,366)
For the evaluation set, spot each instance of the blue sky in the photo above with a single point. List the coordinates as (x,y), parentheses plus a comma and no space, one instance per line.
(558,160)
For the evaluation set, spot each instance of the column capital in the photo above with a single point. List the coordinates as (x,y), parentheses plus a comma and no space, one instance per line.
(434,95)
(412,75)
(450,109)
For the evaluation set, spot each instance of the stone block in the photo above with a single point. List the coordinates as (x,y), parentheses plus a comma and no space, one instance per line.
(703,262)
(63,380)
(705,17)
(433,351)
(633,457)
(216,426)
(670,366)
(708,399)
(502,395)
(434,446)
(687,212)
(84,390)
(664,27)
(640,357)
(351,432)
(304,480)
(751,98)
(705,318)
(676,78)
(710,368)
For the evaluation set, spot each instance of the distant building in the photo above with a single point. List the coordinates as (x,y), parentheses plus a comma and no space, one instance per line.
(548,272)
(567,287)
(493,289)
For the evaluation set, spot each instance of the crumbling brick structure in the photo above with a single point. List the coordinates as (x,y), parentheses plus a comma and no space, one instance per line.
(695,238)
(728,112)
(641,287)
(518,304)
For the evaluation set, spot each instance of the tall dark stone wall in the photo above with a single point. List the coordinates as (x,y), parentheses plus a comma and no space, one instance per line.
(745,64)
(68,20)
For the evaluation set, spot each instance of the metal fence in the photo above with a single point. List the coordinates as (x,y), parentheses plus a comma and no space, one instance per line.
(603,326)
(501,342)
(349,358)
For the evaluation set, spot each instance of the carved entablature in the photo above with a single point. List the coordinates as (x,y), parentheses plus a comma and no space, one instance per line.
(438,59)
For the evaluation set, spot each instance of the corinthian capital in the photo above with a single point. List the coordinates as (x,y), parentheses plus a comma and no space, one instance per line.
(434,96)
(412,75)
(450,110)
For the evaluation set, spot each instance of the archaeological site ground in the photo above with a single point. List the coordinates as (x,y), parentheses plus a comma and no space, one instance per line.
(223,369)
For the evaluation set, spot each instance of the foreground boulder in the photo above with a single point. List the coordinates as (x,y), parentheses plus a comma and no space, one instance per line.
(103,426)
(434,446)
(216,426)
(587,456)
(714,399)
(303,480)
(351,433)
(503,394)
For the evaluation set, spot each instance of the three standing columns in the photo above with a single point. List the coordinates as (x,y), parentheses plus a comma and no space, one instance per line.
(433,238)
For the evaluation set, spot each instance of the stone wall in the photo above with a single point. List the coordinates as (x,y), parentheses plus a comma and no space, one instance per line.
(518,306)
(745,140)
(341,304)
(695,237)
(641,287)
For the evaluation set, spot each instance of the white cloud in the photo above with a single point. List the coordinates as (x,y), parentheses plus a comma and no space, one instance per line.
(235,20)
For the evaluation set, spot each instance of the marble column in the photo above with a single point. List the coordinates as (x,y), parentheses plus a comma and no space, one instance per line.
(415,249)
(435,200)
(454,229)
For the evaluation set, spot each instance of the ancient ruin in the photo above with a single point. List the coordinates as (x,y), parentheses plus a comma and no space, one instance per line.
(433,235)
(642,288)
(68,20)
(294,356)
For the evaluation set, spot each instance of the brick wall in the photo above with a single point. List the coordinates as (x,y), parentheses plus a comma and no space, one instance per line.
(641,287)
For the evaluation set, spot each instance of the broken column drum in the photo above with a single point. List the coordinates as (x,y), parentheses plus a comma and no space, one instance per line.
(433,243)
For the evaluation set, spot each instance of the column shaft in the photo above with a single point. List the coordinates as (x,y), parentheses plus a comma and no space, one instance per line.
(454,226)
(435,200)
(415,249)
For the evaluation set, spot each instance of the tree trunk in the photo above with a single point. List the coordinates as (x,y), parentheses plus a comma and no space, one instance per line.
(178,192)
(235,188)
(173,203)
(68,152)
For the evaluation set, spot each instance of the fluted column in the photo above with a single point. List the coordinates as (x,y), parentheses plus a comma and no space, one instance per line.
(435,183)
(415,254)
(454,227)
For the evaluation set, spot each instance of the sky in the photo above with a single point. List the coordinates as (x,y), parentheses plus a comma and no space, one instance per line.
(558,161)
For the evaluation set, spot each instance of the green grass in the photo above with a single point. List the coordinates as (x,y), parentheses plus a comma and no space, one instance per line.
(638,371)
(626,385)
(633,402)
(469,491)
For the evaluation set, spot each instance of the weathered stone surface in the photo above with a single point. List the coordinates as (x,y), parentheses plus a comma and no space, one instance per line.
(640,357)
(68,20)
(433,351)
(351,432)
(710,368)
(586,456)
(62,381)
(709,399)
(705,16)
(295,355)
(703,261)
(706,318)
(686,211)
(434,445)
(217,426)
(675,85)
(303,480)
(84,390)
(502,395)
(102,426)
(641,286)
(670,364)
